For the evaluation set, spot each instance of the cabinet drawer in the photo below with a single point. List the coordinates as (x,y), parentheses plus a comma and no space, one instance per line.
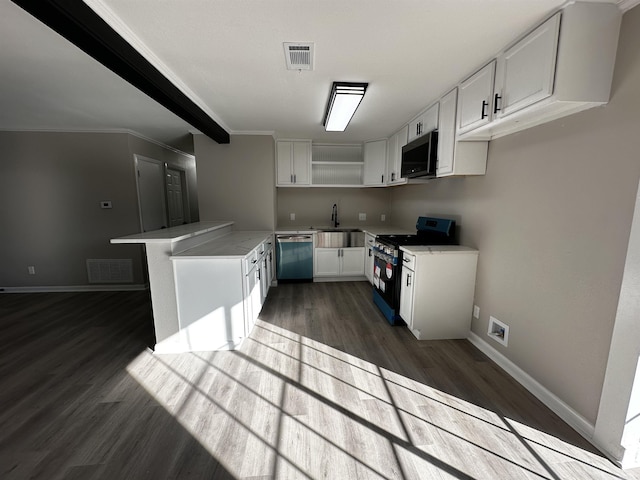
(250,260)
(409,261)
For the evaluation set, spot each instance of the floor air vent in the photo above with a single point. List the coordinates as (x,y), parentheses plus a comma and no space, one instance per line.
(118,270)
(299,56)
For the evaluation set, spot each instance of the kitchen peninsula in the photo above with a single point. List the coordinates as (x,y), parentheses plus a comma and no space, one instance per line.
(204,252)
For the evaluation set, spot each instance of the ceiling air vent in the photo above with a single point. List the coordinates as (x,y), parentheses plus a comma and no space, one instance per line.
(299,56)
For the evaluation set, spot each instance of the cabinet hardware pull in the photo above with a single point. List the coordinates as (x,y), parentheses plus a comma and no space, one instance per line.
(295,179)
(408,280)
(369,252)
(406,260)
(381,178)
(485,104)
(393,176)
(291,177)
(495,103)
(254,261)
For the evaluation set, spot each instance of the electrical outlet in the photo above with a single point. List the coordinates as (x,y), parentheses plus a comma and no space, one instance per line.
(105,204)
(476,311)
(292,216)
(362,216)
(31,269)
(383,217)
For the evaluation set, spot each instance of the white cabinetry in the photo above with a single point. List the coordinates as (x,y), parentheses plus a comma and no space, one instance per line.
(337,165)
(475,101)
(394,160)
(438,285)
(563,66)
(369,259)
(524,73)
(293,162)
(375,163)
(457,158)
(424,123)
(338,262)
(219,294)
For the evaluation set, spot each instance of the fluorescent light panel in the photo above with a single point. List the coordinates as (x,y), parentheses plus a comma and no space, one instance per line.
(343,102)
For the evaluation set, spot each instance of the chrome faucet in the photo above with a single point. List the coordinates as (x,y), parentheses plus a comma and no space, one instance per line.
(334,216)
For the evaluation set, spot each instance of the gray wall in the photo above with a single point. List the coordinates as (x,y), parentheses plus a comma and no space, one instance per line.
(50,203)
(551,219)
(313,206)
(236,181)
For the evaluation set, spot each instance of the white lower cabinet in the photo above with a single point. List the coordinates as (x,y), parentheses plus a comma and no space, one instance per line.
(369,259)
(219,299)
(338,262)
(438,286)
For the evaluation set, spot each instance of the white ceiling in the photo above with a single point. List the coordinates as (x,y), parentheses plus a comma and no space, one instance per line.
(227,56)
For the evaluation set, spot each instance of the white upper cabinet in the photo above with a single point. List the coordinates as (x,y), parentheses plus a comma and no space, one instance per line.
(424,123)
(375,163)
(394,160)
(525,72)
(563,66)
(457,158)
(475,102)
(293,162)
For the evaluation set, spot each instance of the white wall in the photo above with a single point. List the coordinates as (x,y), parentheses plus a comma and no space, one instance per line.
(551,219)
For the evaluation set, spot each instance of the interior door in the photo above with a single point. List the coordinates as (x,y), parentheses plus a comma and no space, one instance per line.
(175,197)
(151,193)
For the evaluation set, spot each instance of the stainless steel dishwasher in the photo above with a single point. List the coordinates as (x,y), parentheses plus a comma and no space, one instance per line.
(294,257)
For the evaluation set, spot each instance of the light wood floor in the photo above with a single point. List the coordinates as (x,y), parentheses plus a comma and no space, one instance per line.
(323,388)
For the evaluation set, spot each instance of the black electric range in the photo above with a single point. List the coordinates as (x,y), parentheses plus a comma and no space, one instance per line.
(388,261)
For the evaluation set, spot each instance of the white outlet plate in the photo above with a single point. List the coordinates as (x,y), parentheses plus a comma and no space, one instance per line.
(499,331)
(362,216)
(383,217)
(31,269)
(476,311)
(292,216)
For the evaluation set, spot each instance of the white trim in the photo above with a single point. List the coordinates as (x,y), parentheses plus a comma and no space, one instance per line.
(564,411)
(115,22)
(104,130)
(75,288)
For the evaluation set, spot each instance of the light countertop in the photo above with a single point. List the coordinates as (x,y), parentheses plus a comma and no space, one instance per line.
(173,234)
(232,245)
(373,230)
(436,249)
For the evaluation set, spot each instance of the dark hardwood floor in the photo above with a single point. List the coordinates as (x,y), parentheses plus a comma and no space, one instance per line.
(323,388)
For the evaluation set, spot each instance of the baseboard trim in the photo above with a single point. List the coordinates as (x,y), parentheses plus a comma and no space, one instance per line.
(560,408)
(75,288)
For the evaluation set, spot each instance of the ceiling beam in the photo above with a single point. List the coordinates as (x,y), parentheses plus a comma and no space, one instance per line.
(78,23)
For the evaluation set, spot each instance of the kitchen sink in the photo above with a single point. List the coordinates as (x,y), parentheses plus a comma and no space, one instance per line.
(339,238)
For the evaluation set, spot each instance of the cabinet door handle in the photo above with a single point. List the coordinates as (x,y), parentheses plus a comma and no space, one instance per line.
(295,179)
(381,178)
(393,176)
(495,103)
(291,176)
(408,280)
(485,104)
(369,252)
(258,272)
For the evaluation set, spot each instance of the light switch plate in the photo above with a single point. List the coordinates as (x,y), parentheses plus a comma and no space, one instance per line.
(476,311)
(292,216)
(383,217)
(362,216)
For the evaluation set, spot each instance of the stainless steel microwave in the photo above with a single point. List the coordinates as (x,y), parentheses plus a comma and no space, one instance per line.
(420,157)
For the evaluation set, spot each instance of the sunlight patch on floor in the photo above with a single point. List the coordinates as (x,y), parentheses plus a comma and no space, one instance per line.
(285,406)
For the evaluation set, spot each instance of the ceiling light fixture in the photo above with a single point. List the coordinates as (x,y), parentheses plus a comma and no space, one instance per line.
(343,102)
